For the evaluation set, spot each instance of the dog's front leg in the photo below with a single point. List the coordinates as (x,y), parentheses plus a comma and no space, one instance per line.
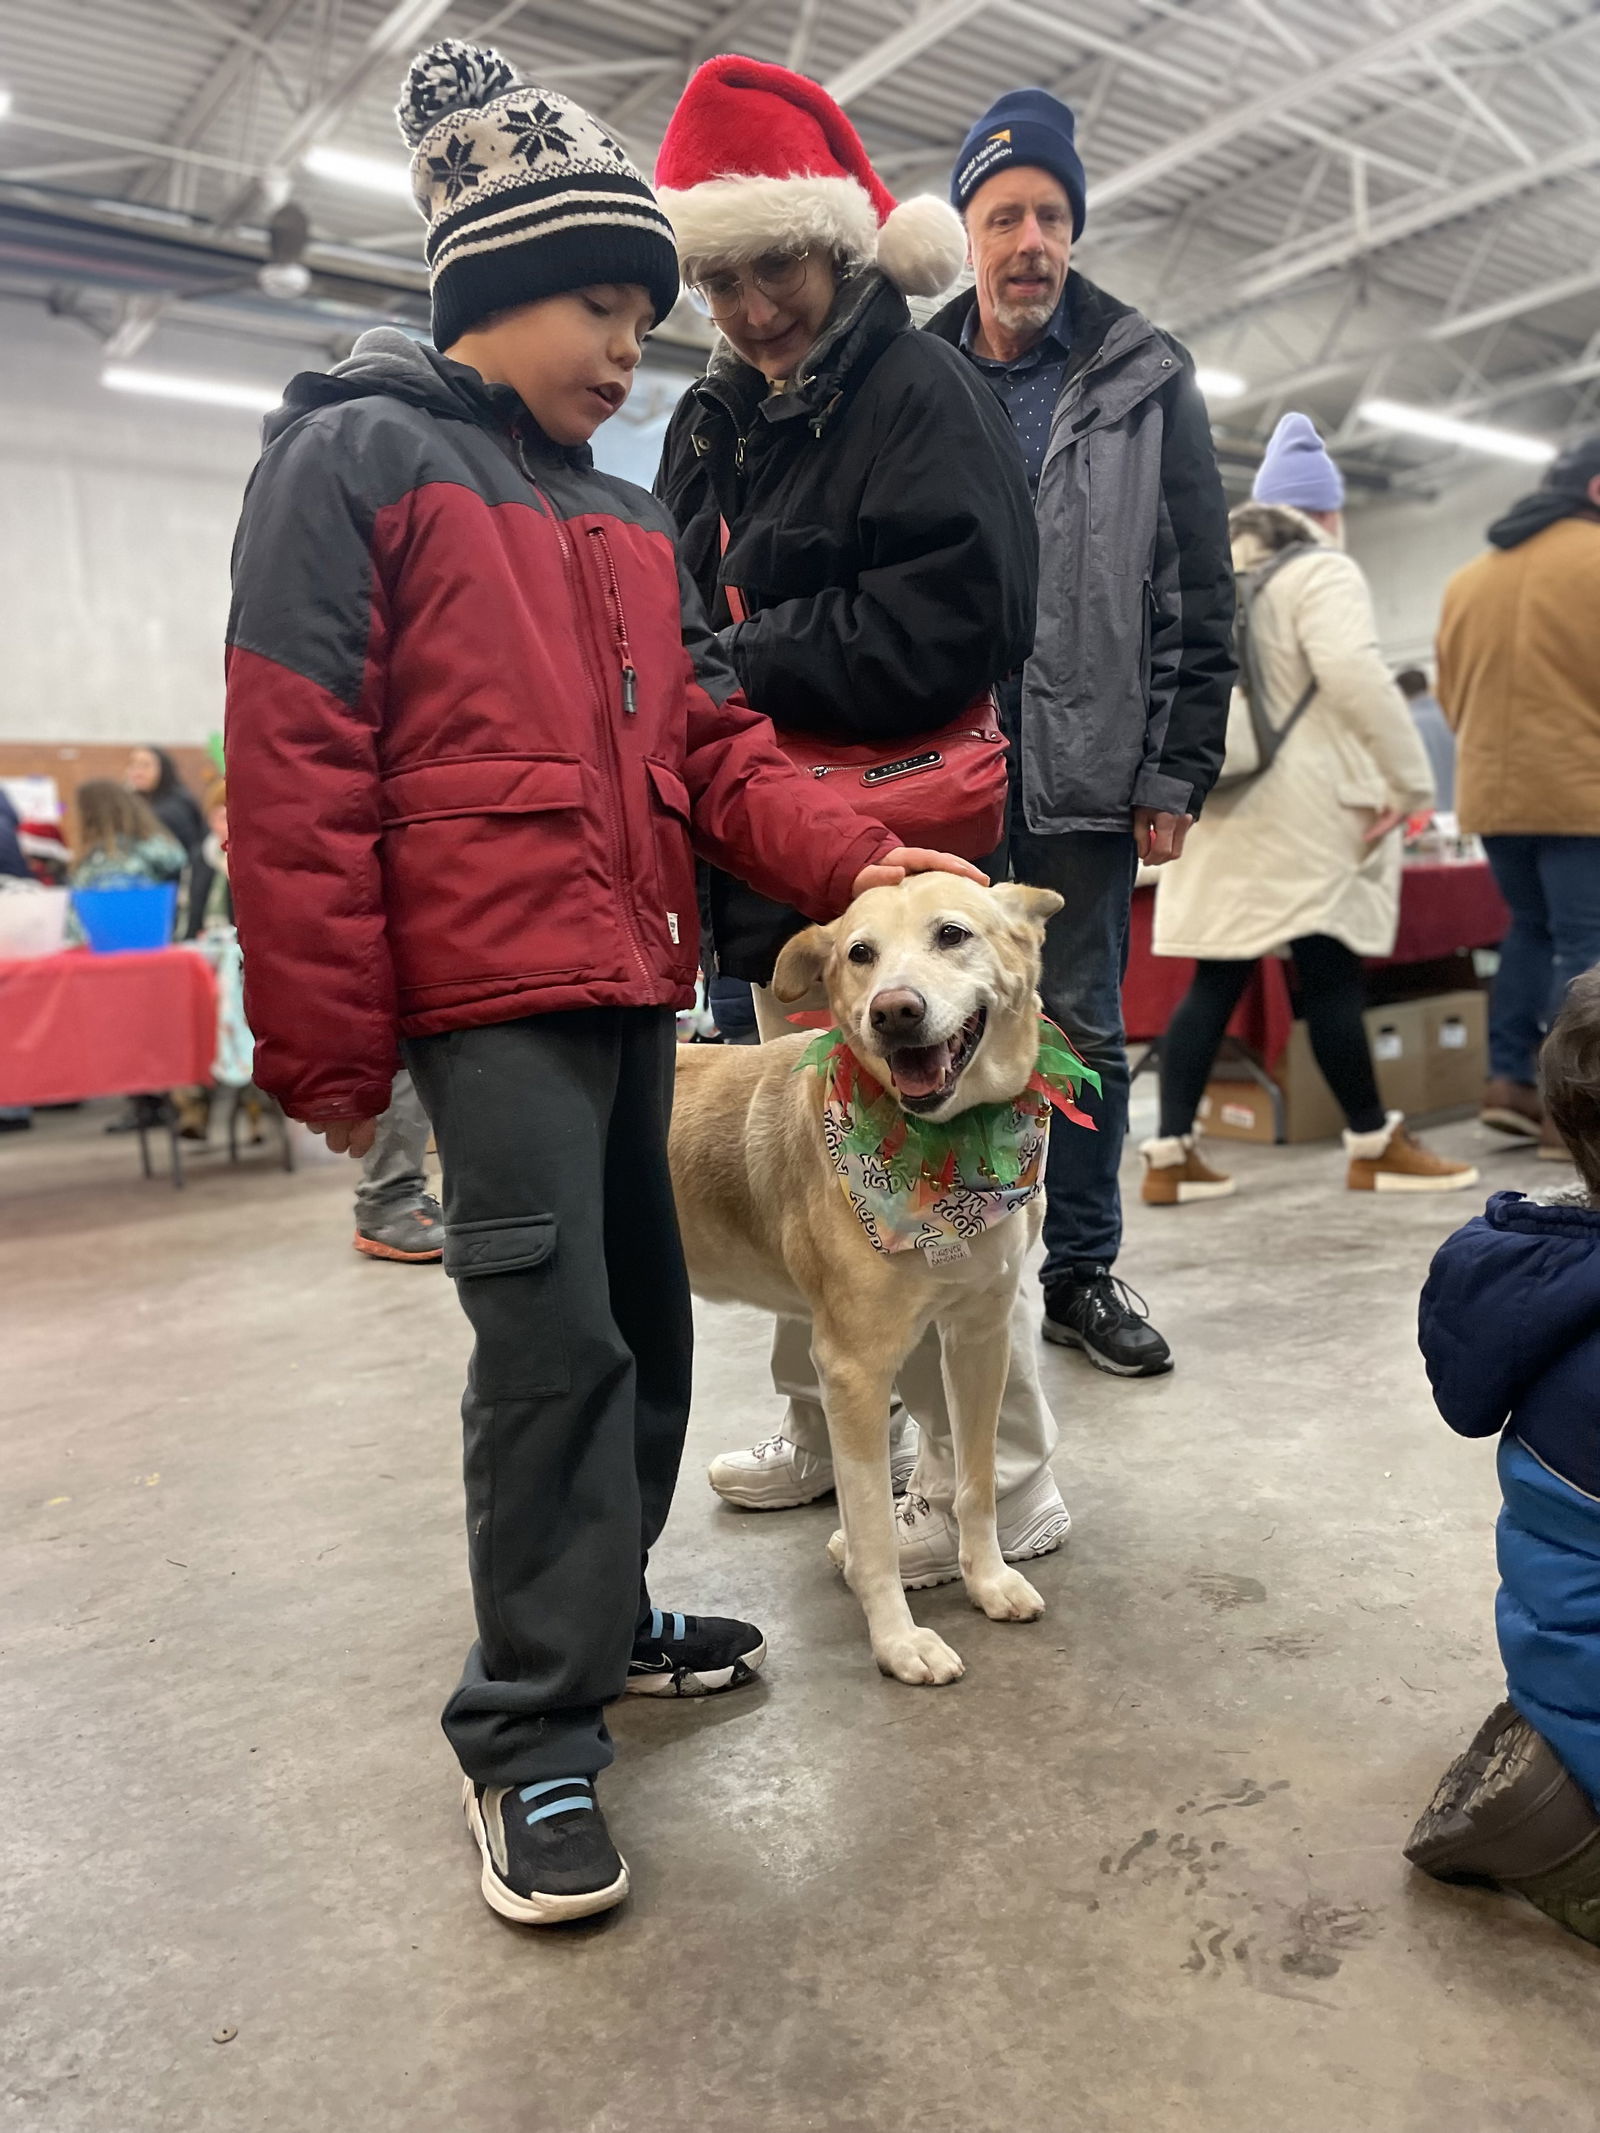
(975,1344)
(856,1387)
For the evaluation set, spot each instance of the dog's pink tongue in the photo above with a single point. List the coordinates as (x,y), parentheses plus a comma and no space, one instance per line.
(920,1069)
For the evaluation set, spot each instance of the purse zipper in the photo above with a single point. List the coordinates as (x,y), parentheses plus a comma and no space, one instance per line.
(962,733)
(619,621)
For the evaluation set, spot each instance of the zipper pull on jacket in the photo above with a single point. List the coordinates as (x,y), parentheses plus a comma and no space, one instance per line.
(619,621)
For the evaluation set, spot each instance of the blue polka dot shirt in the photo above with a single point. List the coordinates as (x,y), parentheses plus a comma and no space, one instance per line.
(1029,387)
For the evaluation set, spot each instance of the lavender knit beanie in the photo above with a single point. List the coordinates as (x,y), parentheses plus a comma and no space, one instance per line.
(1296,469)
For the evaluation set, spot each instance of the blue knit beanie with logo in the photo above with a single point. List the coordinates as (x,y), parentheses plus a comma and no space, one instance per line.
(1296,469)
(1023,126)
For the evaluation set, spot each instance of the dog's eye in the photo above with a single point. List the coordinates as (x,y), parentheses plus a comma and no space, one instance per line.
(951,936)
(863,952)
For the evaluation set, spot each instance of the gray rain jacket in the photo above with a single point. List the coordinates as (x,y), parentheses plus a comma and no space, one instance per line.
(1125,698)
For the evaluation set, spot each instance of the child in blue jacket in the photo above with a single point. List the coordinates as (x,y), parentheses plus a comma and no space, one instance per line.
(1510,1331)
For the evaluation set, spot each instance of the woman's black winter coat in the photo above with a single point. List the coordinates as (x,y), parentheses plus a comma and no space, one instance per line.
(880,531)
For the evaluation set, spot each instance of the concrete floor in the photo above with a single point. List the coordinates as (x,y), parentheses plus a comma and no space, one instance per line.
(1139,1871)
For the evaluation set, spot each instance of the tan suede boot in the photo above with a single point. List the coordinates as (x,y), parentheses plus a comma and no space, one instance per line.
(1175,1173)
(1389,1160)
(1511,1107)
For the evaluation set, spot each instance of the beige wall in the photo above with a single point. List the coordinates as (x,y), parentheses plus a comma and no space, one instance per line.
(1408,550)
(116,520)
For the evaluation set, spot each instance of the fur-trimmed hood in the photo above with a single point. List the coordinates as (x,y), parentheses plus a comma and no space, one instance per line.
(1259,530)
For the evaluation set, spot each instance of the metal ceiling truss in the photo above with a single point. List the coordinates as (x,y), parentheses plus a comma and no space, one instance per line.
(1420,129)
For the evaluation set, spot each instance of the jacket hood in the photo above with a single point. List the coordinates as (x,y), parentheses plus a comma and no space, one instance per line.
(1097,324)
(1506,1297)
(1531,514)
(1259,530)
(390,363)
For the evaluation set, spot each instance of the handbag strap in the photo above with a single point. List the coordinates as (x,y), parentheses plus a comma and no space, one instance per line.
(731,593)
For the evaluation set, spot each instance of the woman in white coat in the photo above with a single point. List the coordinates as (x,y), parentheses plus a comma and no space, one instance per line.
(1306,856)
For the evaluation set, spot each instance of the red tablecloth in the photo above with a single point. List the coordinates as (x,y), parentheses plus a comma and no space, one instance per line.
(78,1025)
(1444,909)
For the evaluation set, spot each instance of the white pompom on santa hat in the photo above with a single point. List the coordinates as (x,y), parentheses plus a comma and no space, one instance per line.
(758,158)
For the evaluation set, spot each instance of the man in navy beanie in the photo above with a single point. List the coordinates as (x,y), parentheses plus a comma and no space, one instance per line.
(1118,720)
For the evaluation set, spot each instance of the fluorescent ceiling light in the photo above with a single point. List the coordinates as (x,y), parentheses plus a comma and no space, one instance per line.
(1446,429)
(212,392)
(1220,384)
(6,101)
(371,174)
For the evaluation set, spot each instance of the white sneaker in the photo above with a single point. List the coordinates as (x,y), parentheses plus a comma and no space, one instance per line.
(1032,1521)
(779,1475)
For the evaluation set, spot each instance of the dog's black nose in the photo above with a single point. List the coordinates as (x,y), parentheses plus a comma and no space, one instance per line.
(897,1012)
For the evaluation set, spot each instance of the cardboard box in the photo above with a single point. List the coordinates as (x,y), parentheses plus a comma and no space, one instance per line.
(1457,1049)
(1398,1036)
(1236,1108)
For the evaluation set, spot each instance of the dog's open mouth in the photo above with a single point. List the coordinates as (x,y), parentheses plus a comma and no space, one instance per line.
(924,1075)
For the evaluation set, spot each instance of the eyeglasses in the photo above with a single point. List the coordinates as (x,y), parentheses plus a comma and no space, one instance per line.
(774,274)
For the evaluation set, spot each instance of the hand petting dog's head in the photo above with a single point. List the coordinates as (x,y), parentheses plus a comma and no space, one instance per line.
(934,984)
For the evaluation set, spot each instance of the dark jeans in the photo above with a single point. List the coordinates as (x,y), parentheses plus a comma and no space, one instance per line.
(1553,887)
(1085,956)
(1332,996)
(562,1237)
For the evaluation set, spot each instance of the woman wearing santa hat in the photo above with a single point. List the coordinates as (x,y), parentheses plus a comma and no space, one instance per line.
(855,513)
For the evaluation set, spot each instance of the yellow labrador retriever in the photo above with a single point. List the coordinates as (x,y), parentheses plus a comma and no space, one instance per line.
(798,1190)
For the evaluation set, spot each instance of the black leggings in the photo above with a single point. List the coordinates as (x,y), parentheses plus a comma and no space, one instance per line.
(1332,996)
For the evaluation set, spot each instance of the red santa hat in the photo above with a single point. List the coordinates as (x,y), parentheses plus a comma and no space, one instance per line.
(757,157)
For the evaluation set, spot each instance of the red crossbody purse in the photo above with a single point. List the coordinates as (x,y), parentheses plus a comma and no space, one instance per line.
(946,789)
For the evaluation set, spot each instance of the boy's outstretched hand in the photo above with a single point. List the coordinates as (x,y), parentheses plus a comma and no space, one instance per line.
(907,859)
(346,1136)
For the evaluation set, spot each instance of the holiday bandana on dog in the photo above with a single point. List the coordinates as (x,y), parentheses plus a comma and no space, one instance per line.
(915,1185)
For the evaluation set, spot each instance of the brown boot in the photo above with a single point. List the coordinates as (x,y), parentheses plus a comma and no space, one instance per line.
(1506,1811)
(1175,1173)
(1512,1107)
(1552,1148)
(1389,1160)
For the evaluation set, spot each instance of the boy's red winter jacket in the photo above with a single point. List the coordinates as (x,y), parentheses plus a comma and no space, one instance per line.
(473,710)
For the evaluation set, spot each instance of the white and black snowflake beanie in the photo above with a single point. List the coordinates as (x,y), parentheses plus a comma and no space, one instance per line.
(525,193)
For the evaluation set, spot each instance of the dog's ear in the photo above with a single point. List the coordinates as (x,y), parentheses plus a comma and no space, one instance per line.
(802,963)
(1033,906)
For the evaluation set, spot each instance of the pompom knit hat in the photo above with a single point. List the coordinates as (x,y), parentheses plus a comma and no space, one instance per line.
(757,157)
(526,195)
(1296,469)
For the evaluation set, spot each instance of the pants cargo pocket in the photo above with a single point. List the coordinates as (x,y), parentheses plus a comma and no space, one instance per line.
(506,1271)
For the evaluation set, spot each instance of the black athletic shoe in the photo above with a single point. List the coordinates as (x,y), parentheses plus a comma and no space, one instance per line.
(694,1655)
(1089,1308)
(547,1854)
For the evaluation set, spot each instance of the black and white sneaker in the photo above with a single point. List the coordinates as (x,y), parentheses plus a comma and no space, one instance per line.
(1089,1308)
(694,1655)
(547,1854)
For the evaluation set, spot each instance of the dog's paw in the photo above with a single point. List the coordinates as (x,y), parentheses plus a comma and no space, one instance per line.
(920,1658)
(836,1549)
(1006,1598)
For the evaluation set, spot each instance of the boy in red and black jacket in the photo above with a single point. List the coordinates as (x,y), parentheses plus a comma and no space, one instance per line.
(474,713)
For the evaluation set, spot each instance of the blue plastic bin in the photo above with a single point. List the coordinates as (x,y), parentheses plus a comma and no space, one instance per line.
(137,916)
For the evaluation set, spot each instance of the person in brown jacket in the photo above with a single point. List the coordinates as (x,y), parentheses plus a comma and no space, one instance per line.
(1519,680)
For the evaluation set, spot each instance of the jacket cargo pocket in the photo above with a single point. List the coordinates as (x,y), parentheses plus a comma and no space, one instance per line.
(674,861)
(493,868)
(509,1289)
